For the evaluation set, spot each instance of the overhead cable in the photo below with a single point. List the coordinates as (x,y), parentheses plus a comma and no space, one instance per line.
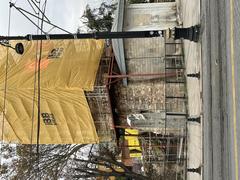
(5,89)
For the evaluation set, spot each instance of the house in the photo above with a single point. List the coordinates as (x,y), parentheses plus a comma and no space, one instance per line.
(153,83)
(152,65)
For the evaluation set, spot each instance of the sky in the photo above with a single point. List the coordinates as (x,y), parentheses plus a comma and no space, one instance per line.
(64,13)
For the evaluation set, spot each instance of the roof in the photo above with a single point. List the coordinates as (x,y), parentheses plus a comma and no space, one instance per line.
(118,46)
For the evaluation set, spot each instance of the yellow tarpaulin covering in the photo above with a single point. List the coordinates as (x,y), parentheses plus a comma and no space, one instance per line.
(66,63)
(67,68)
(65,117)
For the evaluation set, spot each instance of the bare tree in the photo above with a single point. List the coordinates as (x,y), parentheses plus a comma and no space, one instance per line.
(87,168)
(49,162)
(70,161)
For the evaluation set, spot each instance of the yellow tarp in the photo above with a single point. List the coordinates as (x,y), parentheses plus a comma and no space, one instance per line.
(67,68)
(65,63)
(72,121)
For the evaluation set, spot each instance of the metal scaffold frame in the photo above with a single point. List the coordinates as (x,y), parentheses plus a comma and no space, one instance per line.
(171,141)
(177,64)
(100,102)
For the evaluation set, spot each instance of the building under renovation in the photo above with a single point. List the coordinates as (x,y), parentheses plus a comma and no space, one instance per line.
(137,102)
(150,92)
(140,98)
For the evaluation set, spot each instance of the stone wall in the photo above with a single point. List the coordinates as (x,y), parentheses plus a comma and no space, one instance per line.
(138,97)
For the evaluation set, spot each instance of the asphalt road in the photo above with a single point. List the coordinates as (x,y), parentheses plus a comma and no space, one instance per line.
(233,86)
(221,89)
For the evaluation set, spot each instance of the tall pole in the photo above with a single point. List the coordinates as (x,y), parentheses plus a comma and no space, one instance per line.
(94,35)
(191,33)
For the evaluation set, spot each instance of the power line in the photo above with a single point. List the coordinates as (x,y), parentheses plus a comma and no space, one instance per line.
(39,10)
(35,80)
(34,98)
(39,85)
(24,12)
(5,87)
(33,7)
(39,89)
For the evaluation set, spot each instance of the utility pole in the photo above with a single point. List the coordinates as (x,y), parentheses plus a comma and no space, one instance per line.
(191,33)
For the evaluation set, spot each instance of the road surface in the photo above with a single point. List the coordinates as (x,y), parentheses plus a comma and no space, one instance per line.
(221,89)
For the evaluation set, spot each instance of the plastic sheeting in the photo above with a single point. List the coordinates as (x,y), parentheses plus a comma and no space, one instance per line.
(64,63)
(67,68)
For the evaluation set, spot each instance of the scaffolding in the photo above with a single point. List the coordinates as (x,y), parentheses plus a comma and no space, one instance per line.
(99,100)
(176,106)
(163,128)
